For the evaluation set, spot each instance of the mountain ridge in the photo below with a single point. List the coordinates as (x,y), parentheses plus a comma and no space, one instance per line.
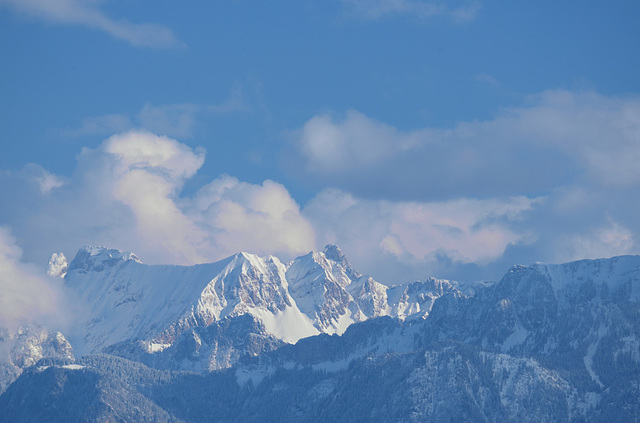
(547,342)
(151,306)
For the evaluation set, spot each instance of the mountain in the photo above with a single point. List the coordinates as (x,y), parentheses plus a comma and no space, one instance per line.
(546,343)
(205,317)
(23,347)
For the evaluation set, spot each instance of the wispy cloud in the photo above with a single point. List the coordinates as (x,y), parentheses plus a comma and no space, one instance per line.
(173,120)
(87,13)
(100,125)
(44,179)
(423,10)
(486,79)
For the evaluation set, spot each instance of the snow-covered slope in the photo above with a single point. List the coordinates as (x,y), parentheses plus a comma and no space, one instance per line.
(545,343)
(23,347)
(334,295)
(127,300)
(157,307)
(188,316)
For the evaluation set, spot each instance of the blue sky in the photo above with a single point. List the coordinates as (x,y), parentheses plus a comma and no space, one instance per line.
(425,138)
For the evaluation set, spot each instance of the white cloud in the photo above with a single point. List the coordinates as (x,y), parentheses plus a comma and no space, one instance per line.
(560,138)
(87,13)
(553,181)
(465,13)
(356,141)
(127,194)
(463,230)
(377,9)
(610,239)
(27,294)
(602,134)
(262,218)
(147,172)
(579,150)
(154,154)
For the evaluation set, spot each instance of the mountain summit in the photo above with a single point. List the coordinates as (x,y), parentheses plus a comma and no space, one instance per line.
(139,310)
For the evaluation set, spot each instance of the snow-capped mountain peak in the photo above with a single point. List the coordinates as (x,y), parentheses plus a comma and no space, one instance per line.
(160,306)
(97,258)
(58,265)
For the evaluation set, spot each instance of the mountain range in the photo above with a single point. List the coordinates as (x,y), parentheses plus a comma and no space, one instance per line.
(255,339)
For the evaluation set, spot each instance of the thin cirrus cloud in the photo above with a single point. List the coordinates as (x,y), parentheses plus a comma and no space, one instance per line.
(423,10)
(174,120)
(88,14)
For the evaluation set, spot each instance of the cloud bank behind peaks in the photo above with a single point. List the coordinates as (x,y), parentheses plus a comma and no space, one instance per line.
(146,173)
(242,216)
(383,235)
(27,294)
(127,194)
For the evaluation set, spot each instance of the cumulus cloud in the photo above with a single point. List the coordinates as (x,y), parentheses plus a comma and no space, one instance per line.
(553,181)
(127,194)
(419,233)
(559,138)
(146,174)
(569,157)
(27,294)
(351,143)
(88,13)
(264,217)
(377,9)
